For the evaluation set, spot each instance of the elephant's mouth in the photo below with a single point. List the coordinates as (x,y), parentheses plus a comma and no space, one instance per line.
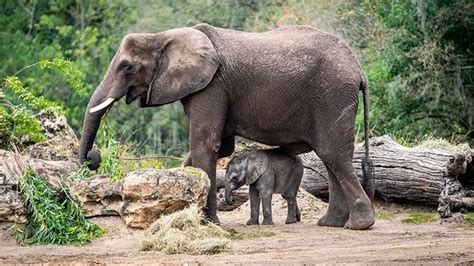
(131,96)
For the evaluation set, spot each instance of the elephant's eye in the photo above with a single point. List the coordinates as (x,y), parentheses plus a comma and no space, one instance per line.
(127,68)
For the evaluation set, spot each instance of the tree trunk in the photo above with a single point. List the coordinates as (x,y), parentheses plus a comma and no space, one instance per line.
(401,173)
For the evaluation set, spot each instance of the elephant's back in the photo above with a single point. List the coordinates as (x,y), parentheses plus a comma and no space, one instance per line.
(281,43)
(284,54)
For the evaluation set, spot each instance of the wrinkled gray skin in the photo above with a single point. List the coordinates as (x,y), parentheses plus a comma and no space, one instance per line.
(293,87)
(267,172)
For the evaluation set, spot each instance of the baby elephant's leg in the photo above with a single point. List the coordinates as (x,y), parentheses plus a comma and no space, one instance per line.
(267,207)
(254,205)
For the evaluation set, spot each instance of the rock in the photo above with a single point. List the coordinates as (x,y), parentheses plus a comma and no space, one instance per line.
(54,124)
(240,196)
(148,193)
(53,160)
(59,148)
(11,206)
(97,196)
(143,195)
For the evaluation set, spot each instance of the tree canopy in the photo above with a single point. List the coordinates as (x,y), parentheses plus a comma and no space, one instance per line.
(417,55)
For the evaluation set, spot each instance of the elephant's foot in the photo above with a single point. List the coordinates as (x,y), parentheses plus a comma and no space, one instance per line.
(333,219)
(252,222)
(267,222)
(291,220)
(362,216)
(211,217)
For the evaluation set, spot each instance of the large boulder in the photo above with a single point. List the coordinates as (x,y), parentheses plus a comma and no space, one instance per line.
(11,206)
(53,160)
(98,196)
(143,195)
(148,193)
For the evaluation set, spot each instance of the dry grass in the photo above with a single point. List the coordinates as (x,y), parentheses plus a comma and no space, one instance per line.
(442,144)
(183,233)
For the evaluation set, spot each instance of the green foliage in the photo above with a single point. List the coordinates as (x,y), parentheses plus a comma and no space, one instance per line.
(82,173)
(52,219)
(110,151)
(131,165)
(18,103)
(24,124)
(417,217)
(382,214)
(469,217)
(418,56)
(420,77)
(16,87)
(68,71)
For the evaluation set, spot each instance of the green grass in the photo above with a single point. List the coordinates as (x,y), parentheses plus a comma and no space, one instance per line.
(469,217)
(417,217)
(384,215)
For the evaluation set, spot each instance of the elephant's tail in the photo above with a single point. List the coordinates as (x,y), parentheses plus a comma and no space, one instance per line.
(367,165)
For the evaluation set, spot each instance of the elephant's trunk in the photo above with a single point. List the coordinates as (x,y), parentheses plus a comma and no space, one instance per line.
(92,123)
(228,195)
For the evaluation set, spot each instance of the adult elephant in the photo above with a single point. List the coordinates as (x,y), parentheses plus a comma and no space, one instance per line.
(294,87)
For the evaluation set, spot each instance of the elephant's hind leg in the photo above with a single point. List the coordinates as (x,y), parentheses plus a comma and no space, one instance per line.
(361,213)
(335,146)
(337,213)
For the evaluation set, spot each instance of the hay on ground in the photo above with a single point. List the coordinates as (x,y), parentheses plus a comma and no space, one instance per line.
(182,232)
(442,144)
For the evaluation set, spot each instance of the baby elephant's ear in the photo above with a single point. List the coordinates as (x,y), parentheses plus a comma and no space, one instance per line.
(257,165)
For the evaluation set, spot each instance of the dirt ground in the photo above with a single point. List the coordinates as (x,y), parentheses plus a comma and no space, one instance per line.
(389,240)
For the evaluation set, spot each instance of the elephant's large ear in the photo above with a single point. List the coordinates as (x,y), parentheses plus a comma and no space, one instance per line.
(187,64)
(257,165)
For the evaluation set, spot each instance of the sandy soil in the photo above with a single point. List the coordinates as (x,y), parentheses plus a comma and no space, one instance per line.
(303,243)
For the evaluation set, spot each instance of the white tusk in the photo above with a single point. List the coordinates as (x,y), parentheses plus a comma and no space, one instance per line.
(102,105)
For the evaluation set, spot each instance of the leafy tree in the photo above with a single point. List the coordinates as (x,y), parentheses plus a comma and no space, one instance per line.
(418,56)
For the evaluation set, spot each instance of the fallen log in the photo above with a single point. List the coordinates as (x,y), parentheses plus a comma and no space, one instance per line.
(401,173)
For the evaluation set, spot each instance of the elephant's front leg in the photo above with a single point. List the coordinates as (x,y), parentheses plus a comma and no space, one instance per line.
(207,120)
(254,205)
(267,207)
(205,158)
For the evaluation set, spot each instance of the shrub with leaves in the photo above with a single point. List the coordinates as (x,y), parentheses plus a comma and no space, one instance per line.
(52,219)
(18,104)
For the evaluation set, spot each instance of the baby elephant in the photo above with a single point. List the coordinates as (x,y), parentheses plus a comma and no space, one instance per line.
(267,172)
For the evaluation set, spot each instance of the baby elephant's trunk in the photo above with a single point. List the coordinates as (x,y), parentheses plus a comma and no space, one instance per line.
(228,195)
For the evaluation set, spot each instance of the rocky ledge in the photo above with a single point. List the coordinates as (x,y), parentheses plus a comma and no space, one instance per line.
(139,198)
